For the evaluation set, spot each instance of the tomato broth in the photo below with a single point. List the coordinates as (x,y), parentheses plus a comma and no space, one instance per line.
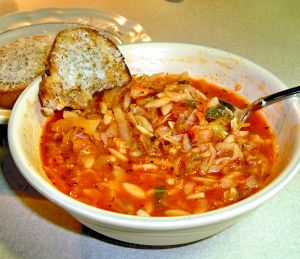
(161,146)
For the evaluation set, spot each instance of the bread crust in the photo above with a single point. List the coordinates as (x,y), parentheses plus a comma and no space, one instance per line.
(81,62)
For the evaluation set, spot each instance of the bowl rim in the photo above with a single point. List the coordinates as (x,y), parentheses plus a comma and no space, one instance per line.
(113,219)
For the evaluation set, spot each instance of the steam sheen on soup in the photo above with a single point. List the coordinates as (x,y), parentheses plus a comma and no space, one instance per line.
(161,146)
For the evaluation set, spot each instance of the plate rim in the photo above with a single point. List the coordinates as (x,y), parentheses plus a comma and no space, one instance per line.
(73,16)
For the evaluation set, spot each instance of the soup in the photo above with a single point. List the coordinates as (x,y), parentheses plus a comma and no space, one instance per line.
(161,146)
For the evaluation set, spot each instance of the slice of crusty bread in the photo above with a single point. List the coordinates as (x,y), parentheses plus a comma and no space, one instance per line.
(20,62)
(81,63)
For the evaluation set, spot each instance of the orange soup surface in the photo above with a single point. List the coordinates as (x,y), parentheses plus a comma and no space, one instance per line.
(161,146)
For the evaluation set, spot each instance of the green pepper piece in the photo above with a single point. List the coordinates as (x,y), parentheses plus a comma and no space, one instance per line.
(159,192)
(216,112)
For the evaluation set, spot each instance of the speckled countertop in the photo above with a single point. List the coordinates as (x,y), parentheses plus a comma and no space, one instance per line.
(267,32)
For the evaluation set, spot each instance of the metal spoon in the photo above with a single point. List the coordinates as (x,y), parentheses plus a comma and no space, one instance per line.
(243,114)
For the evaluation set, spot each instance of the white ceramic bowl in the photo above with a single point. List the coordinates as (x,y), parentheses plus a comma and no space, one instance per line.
(222,68)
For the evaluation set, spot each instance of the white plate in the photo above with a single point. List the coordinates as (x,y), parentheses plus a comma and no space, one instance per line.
(4,116)
(49,21)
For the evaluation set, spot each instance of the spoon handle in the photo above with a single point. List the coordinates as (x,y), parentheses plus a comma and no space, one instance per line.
(268,100)
(282,95)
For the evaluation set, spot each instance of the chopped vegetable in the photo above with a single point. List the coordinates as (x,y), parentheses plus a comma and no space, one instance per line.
(217,112)
(158,193)
(219,129)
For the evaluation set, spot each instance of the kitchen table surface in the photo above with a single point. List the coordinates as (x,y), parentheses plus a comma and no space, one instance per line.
(266,32)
